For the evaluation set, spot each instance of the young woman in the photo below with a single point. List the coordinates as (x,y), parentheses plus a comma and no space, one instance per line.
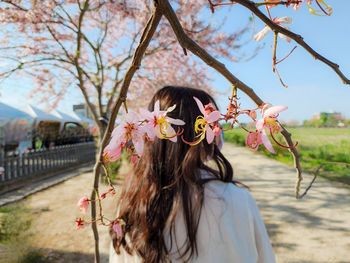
(181,203)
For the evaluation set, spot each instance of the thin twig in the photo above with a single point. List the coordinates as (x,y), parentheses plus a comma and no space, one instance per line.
(297,38)
(274,51)
(286,56)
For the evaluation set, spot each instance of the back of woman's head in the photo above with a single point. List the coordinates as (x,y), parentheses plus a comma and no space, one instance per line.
(169,177)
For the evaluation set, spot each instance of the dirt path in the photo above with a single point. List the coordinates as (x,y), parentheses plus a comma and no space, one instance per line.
(54,228)
(316,229)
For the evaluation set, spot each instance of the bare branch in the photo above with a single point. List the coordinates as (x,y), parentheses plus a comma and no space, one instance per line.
(297,38)
(296,157)
(77,63)
(187,43)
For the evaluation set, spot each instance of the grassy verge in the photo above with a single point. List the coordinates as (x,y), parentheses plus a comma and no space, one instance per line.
(15,221)
(327,148)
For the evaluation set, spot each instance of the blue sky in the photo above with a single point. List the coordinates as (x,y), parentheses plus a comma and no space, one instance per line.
(312,86)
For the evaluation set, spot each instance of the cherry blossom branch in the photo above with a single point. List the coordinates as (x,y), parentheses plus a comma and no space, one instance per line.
(146,37)
(297,38)
(187,43)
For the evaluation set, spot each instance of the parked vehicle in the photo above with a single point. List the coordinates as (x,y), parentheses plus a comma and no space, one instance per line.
(30,128)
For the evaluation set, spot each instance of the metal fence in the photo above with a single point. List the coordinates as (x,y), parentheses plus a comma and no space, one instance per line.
(36,163)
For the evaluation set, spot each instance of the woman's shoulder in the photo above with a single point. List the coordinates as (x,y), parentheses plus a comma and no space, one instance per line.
(223,189)
(228,191)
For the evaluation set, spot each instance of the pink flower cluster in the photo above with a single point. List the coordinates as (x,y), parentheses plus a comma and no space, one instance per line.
(267,122)
(137,128)
(324,9)
(84,203)
(117,225)
(211,118)
(140,127)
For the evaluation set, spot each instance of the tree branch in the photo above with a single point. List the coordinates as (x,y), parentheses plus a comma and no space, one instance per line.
(187,43)
(297,38)
(78,67)
(146,37)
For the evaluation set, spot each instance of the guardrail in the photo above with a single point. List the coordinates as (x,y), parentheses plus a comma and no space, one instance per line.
(47,161)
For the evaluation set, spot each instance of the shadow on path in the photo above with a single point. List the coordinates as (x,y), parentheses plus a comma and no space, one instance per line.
(314,229)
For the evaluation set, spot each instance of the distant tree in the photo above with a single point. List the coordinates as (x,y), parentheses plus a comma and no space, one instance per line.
(89,44)
(323,119)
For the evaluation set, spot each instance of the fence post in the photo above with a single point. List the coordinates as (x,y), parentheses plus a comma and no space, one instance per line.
(2,155)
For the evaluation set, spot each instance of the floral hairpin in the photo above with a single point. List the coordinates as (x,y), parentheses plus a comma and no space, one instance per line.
(137,128)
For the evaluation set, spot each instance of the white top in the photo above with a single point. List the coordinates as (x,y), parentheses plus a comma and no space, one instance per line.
(230,230)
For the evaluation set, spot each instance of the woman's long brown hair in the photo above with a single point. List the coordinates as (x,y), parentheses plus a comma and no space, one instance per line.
(167,178)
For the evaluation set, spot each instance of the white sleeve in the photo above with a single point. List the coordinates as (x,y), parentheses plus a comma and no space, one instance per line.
(262,241)
(123,257)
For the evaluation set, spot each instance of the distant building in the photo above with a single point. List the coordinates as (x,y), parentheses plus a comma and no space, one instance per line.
(82,110)
(330,115)
(291,123)
(328,119)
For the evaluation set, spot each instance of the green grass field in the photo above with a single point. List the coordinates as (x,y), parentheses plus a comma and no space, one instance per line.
(328,147)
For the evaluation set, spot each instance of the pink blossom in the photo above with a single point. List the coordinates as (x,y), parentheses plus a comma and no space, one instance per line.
(118,227)
(208,108)
(109,191)
(279,21)
(252,114)
(103,195)
(269,118)
(79,223)
(112,152)
(253,140)
(297,5)
(112,191)
(134,159)
(203,124)
(217,130)
(269,121)
(83,203)
(129,130)
(159,124)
